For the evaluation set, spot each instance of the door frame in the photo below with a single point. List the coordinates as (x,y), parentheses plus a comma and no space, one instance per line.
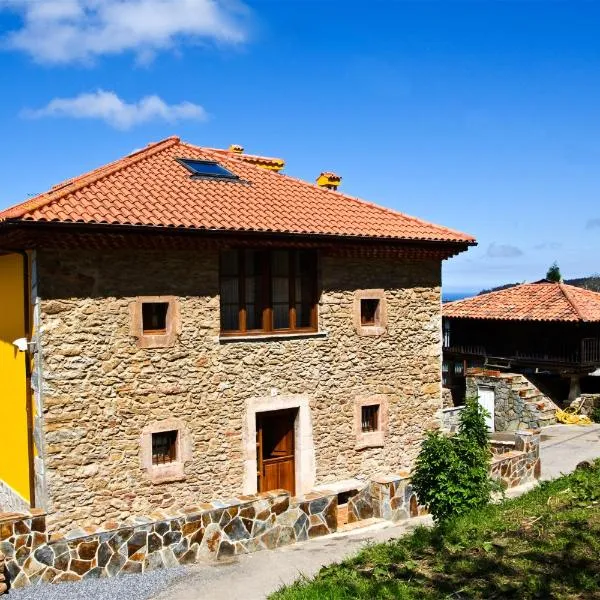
(305,466)
(493,411)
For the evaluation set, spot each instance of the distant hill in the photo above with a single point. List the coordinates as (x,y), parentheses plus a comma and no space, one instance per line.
(589,283)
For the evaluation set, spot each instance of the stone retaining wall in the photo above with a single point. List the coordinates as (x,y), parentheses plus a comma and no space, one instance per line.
(385,497)
(520,464)
(586,403)
(206,532)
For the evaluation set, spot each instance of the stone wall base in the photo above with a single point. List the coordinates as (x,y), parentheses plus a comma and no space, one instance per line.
(518,462)
(389,497)
(206,532)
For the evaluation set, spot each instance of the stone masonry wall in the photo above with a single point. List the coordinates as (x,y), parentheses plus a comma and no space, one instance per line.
(206,532)
(519,465)
(100,390)
(518,403)
(389,497)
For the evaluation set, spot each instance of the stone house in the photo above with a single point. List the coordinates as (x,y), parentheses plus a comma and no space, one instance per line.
(524,351)
(188,323)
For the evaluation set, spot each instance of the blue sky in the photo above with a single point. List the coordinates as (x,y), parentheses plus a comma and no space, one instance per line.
(482,116)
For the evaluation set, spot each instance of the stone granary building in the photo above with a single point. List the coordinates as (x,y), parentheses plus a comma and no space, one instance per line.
(524,350)
(187,324)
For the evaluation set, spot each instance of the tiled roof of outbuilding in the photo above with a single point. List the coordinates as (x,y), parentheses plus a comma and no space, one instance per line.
(540,301)
(150,188)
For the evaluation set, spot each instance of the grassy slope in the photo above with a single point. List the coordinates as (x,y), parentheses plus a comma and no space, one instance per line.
(545,544)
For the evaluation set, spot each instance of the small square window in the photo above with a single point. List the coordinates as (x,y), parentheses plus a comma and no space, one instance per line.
(164,447)
(154,318)
(369,418)
(369,311)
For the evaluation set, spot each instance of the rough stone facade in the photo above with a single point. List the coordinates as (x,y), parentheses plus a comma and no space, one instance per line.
(518,403)
(450,418)
(99,389)
(10,500)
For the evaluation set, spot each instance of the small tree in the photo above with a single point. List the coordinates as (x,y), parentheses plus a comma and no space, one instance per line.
(553,273)
(452,474)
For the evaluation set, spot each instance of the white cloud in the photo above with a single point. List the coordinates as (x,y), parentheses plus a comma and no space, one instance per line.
(107,106)
(64,31)
(548,246)
(503,251)
(593,224)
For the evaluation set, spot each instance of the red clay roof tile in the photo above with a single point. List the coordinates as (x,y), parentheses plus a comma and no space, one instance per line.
(540,301)
(150,188)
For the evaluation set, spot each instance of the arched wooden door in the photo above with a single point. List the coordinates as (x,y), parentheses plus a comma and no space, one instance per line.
(275,450)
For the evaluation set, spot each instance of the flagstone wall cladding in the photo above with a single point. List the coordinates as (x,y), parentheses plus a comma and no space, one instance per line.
(385,497)
(100,389)
(200,533)
(518,465)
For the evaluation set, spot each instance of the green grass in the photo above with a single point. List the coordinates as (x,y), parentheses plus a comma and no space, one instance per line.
(545,544)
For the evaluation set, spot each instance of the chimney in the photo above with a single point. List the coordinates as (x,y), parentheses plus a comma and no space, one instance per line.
(236,148)
(329,180)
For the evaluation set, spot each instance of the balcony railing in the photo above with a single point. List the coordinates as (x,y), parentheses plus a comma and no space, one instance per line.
(587,352)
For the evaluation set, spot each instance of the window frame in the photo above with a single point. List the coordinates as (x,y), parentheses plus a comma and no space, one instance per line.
(379,327)
(155,339)
(195,174)
(267,310)
(170,471)
(371,439)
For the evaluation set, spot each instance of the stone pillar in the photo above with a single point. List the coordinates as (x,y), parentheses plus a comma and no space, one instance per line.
(575,389)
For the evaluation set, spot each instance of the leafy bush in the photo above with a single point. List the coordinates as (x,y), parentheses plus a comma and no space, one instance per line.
(585,485)
(451,474)
(595,415)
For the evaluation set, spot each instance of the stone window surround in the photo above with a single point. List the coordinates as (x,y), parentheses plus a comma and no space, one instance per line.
(174,471)
(371,439)
(165,340)
(381,316)
(305,466)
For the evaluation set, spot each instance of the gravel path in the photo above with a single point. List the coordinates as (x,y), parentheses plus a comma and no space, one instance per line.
(127,587)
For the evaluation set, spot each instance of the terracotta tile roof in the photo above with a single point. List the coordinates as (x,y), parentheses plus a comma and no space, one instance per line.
(540,301)
(150,188)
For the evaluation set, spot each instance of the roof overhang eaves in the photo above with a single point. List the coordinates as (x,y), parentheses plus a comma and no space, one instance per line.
(149,229)
(30,234)
(516,319)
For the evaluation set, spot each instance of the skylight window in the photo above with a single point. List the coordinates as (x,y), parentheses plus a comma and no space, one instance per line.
(206,168)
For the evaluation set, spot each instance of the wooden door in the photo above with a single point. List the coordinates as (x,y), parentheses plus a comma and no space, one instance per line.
(275,447)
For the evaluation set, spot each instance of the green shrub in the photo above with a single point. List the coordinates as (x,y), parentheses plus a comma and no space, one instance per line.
(585,485)
(595,415)
(451,474)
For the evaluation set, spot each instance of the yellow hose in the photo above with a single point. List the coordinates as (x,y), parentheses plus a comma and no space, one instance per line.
(570,417)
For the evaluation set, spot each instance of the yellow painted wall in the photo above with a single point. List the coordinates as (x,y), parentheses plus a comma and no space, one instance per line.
(14,457)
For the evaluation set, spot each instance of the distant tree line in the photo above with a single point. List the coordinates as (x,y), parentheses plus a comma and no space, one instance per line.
(591,282)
